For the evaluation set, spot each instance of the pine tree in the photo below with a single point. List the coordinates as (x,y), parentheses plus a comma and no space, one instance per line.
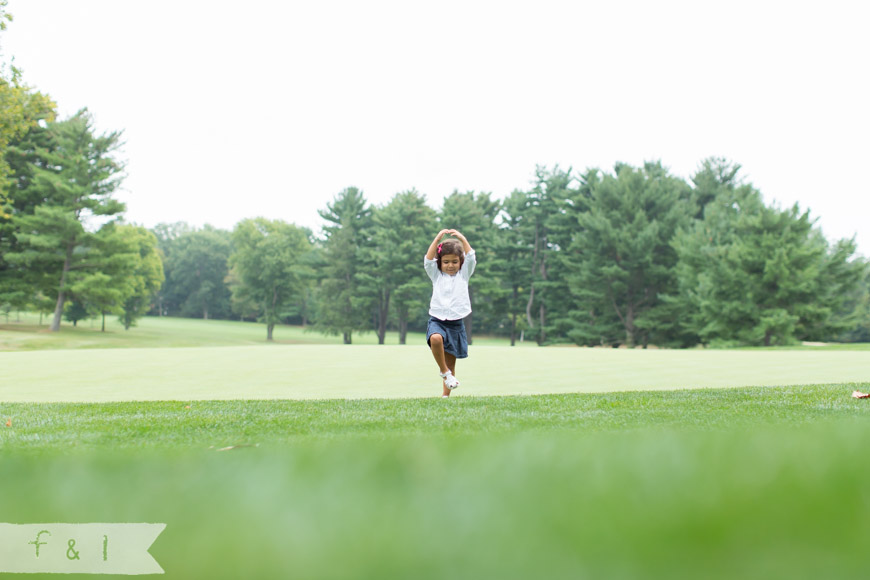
(622,258)
(74,178)
(342,309)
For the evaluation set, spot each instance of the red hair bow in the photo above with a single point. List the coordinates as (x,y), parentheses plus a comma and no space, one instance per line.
(439,248)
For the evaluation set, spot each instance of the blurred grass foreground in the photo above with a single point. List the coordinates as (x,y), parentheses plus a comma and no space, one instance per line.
(735,483)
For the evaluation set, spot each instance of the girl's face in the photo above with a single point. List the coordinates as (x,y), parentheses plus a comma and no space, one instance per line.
(450,264)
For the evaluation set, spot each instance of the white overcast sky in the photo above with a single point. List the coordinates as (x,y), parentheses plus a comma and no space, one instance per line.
(270,108)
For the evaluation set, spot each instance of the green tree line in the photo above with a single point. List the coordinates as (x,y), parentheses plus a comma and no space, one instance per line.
(628,256)
(634,256)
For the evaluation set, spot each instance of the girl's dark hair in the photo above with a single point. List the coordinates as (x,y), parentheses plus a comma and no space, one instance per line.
(450,247)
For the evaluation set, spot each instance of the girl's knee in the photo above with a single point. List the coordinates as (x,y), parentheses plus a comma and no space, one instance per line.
(436,339)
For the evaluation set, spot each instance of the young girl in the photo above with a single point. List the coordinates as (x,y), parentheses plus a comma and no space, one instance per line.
(449,264)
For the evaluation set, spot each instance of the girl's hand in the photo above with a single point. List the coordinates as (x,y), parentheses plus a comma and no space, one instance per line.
(466,247)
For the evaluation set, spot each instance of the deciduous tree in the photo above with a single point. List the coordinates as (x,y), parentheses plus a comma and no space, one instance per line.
(267,262)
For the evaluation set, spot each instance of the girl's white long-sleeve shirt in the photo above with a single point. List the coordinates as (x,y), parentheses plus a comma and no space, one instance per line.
(450,300)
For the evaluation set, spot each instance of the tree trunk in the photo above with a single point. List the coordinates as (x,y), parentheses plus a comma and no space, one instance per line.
(347,338)
(271,325)
(103,329)
(205,312)
(629,327)
(469,320)
(61,294)
(542,336)
(58,309)
(469,327)
(403,329)
(383,311)
(529,307)
(516,294)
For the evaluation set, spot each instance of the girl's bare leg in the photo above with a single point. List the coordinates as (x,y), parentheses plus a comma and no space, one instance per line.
(446,361)
(436,343)
(450,360)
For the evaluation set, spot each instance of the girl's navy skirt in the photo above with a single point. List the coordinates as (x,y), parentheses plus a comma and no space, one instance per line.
(453,331)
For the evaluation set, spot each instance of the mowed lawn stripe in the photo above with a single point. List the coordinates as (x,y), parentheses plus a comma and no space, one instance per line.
(362,371)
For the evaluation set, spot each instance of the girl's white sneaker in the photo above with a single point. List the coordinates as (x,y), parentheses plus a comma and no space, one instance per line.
(449,380)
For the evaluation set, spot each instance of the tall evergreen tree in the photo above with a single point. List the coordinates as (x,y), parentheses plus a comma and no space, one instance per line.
(757,275)
(74,178)
(623,256)
(342,308)
(395,280)
(533,215)
(512,263)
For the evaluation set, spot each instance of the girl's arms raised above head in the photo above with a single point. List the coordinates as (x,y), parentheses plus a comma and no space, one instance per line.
(466,247)
(432,253)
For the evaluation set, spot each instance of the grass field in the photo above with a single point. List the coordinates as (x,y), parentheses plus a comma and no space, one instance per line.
(24,332)
(233,361)
(641,477)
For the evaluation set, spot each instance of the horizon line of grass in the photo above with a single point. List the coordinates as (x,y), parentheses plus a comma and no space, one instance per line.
(167,331)
(170,331)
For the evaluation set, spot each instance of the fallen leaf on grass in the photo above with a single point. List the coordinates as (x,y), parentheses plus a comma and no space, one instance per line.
(8,422)
(238,447)
(860,395)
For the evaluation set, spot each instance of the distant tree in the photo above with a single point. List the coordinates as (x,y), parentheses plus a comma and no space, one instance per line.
(538,218)
(198,267)
(342,308)
(267,263)
(400,235)
(856,308)
(169,299)
(125,272)
(21,111)
(622,254)
(714,177)
(757,275)
(100,292)
(564,198)
(76,310)
(511,261)
(144,274)
(75,176)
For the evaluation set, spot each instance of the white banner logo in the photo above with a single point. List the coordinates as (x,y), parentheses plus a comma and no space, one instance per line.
(78,548)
